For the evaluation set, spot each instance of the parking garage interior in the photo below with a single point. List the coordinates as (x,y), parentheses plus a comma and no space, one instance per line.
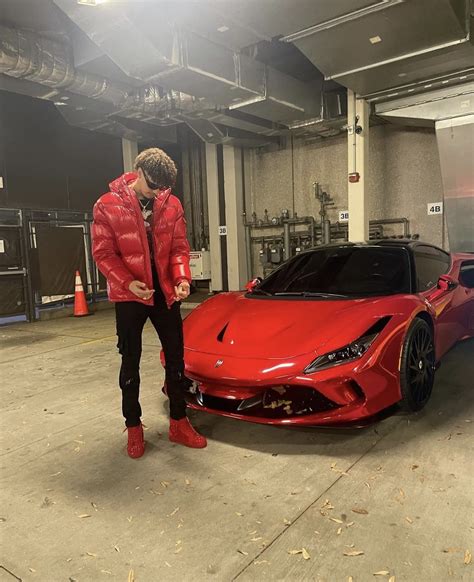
(293,124)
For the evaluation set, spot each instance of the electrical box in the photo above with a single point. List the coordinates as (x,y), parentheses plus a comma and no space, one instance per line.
(200,264)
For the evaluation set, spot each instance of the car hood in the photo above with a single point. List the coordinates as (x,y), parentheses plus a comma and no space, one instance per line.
(232,324)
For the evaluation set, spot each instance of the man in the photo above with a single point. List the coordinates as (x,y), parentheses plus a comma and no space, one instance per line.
(140,245)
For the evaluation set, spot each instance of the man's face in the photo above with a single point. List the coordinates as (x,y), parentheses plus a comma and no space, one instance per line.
(145,185)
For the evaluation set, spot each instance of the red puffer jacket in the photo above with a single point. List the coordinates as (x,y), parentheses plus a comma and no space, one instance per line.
(120,246)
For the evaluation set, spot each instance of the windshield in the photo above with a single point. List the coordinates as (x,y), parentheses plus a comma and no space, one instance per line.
(347,271)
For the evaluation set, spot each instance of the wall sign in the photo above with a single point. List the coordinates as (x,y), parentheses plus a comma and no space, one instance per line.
(222,230)
(435,208)
(344,216)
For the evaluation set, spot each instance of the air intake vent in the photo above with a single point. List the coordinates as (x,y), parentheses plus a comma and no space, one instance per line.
(220,337)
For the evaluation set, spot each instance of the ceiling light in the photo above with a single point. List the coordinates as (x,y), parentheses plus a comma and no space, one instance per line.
(59,103)
(223,29)
(402,74)
(375,39)
(91,2)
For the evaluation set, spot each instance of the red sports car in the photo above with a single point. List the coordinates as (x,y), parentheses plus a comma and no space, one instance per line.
(336,335)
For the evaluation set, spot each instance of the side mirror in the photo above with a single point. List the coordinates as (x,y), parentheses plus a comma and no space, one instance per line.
(446,283)
(252,284)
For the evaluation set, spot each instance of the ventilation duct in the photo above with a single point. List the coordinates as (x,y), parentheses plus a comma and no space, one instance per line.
(159,51)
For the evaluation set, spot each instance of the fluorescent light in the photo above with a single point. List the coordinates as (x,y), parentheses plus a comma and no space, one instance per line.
(223,29)
(375,39)
(91,2)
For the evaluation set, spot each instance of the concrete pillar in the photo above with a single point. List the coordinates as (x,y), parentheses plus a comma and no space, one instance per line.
(129,153)
(358,164)
(214,217)
(234,207)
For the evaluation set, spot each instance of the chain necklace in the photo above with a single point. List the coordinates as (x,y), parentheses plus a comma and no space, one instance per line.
(146,212)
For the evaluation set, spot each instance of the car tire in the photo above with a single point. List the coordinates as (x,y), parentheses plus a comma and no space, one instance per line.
(417,366)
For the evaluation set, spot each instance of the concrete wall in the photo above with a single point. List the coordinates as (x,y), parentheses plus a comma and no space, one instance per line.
(404,176)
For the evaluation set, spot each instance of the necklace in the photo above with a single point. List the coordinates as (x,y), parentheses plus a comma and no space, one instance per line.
(146,212)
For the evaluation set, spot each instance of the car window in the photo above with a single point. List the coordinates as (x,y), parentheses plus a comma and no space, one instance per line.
(350,271)
(430,264)
(466,274)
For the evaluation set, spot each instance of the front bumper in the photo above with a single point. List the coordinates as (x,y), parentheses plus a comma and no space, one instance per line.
(251,390)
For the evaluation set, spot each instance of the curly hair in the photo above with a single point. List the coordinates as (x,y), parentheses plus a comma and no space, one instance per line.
(157,166)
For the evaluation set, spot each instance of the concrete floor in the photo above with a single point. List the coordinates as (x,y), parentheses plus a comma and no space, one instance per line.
(75,508)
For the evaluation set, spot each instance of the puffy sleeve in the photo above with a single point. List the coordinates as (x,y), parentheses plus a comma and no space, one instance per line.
(105,250)
(179,256)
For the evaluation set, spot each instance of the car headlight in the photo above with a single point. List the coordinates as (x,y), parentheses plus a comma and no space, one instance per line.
(348,353)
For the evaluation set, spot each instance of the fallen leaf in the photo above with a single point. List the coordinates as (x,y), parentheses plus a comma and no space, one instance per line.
(467,557)
(80,442)
(353,553)
(305,553)
(336,520)
(56,474)
(452,550)
(350,524)
(252,533)
(31,569)
(188,482)
(294,552)
(255,539)
(94,506)
(239,514)
(402,493)
(91,554)
(413,467)
(339,531)
(367,485)
(129,519)
(131,576)
(382,573)
(164,483)
(174,512)
(243,553)
(168,564)
(409,519)
(287,522)
(360,511)
(116,548)
(83,515)
(178,550)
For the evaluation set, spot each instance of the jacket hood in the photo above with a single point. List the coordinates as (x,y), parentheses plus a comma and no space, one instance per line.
(120,184)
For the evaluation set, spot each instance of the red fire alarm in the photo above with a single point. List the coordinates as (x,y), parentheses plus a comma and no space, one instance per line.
(354,177)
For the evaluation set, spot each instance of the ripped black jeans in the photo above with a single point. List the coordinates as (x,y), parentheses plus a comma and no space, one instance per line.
(131,317)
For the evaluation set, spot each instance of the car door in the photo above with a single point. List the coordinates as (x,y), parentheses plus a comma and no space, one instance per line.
(431,263)
(466,282)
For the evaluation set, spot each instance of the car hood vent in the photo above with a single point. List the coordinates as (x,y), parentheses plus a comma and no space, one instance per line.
(220,337)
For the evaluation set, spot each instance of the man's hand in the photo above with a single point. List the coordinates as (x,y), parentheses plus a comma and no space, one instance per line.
(181,291)
(140,290)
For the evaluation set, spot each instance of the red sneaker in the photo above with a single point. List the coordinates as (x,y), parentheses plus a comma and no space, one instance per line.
(183,433)
(136,442)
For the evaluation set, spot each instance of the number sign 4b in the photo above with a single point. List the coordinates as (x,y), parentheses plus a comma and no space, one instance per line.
(435,208)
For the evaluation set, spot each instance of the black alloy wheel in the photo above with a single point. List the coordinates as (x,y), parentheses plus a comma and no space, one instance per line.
(418,365)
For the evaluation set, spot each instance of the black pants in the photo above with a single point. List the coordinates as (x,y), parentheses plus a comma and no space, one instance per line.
(131,317)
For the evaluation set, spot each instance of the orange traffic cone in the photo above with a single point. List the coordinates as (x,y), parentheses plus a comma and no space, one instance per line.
(80,303)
